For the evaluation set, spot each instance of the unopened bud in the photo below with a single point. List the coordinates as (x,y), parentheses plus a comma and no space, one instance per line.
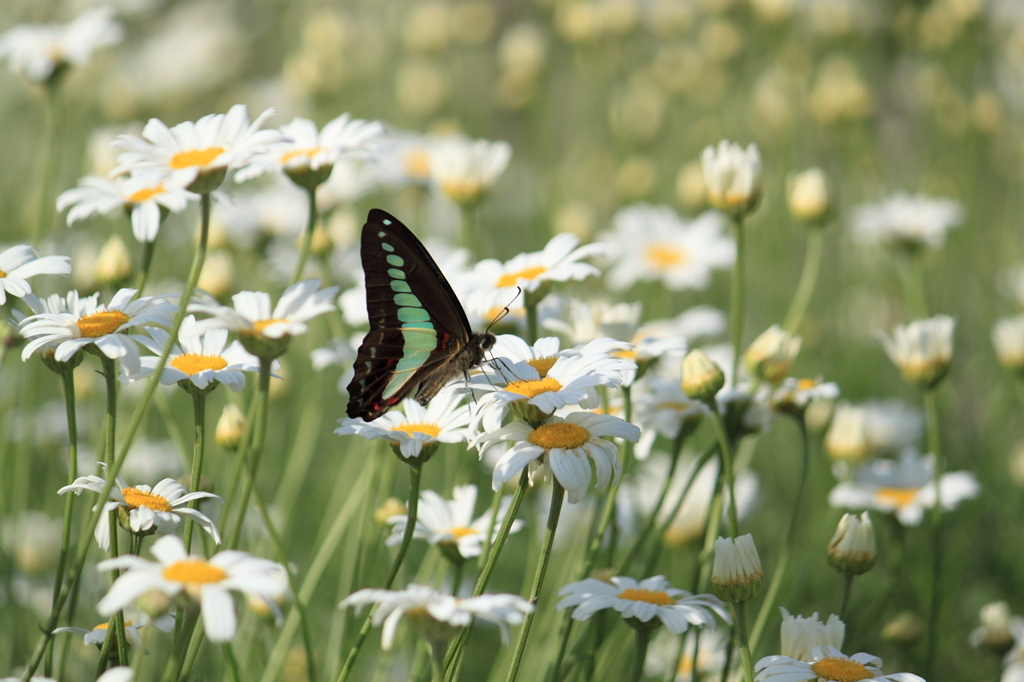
(391,507)
(771,354)
(852,549)
(996,631)
(154,603)
(702,378)
(736,576)
(321,243)
(904,628)
(807,196)
(230,427)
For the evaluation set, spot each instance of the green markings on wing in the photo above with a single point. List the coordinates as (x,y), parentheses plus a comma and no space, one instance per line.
(419,338)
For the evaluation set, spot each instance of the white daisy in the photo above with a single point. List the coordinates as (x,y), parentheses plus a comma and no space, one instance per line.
(1013,662)
(39,51)
(652,243)
(146,195)
(87,321)
(732,177)
(1008,340)
(444,420)
(307,150)
(906,221)
(563,446)
(214,143)
(644,600)
(132,625)
(198,358)
(662,409)
(466,169)
(205,581)
(999,628)
(158,509)
(872,428)
(252,314)
(588,320)
(922,350)
(417,601)
(492,284)
(451,524)
(905,487)
(794,395)
(799,636)
(18,263)
(828,664)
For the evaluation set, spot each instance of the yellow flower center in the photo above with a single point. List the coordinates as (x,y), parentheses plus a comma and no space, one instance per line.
(806,384)
(664,256)
(840,670)
(194,571)
(649,596)
(146,194)
(898,497)
(532,389)
(103,626)
(510,279)
(562,435)
(462,191)
(542,365)
(461,531)
(2,274)
(297,153)
(136,498)
(193,363)
(417,164)
(432,430)
(260,325)
(101,323)
(195,157)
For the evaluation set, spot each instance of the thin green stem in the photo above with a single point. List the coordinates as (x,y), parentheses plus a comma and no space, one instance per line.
(147,261)
(643,638)
(557,495)
(198,448)
(737,298)
(808,278)
(740,628)
(726,449)
(847,589)
(68,380)
(457,567)
(415,470)
(109,436)
(307,239)
(935,614)
(673,672)
(495,508)
(913,286)
(469,214)
(129,437)
(259,436)
(768,604)
(230,664)
(532,319)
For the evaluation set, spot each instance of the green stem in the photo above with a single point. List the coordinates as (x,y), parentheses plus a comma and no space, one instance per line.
(109,435)
(456,577)
(147,260)
(808,278)
(737,299)
(198,447)
(68,379)
(532,319)
(415,470)
(643,638)
(230,664)
(557,495)
(307,239)
(495,507)
(780,566)
(132,430)
(469,228)
(740,611)
(935,614)
(259,436)
(454,656)
(847,589)
(913,286)
(726,449)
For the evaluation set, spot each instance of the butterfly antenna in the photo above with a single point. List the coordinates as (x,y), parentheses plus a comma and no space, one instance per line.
(505,310)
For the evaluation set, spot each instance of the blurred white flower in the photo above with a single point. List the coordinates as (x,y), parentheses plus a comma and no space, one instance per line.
(251,313)
(38,51)
(732,177)
(1008,339)
(443,420)
(652,243)
(922,350)
(807,195)
(466,169)
(799,635)
(908,222)
(18,263)
(999,629)
(32,539)
(133,623)
(905,487)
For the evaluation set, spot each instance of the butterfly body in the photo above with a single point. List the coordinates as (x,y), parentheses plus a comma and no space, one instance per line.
(419,337)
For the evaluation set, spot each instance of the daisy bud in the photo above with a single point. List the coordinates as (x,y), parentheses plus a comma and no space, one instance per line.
(799,635)
(807,196)
(847,436)
(322,243)
(732,177)
(230,427)
(904,628)
(736,576)
(391,507)
(1008,339)
(922,350)
(702,378)
(309,178)
(114,264)
(218,275)
(154,603)
(995,633)
(852,549)
(771,354)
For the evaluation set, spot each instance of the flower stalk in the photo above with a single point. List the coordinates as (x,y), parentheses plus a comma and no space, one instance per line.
(736,299)
(198,448)
(935,613)
(307,239)
(808,279)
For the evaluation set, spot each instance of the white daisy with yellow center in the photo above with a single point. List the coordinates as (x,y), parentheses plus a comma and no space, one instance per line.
(412,427)
(252,313)
(39,51)
(794,395)
(201,359)
(214,143)
(662,409)
(827,664)
(466,169)
(133,624)
(451,523)
(85,321)
(146,195)
(307,149)
(907,221)
(419,602)
(565,447)
(922,350)
(643,601)
(653,244)
(905,487)
(159,508)
(208,582)
(18,263)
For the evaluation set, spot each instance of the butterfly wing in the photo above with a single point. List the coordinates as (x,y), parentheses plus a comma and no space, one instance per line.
(416,322)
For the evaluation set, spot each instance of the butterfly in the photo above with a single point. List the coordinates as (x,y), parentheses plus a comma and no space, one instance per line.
(419,336)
